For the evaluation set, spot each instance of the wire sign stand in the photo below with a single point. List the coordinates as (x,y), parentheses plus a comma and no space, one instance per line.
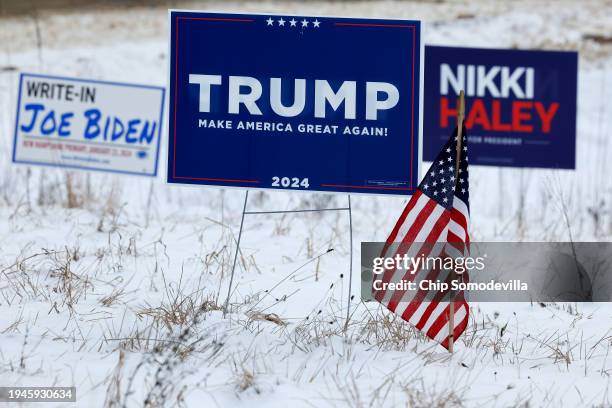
(245,212)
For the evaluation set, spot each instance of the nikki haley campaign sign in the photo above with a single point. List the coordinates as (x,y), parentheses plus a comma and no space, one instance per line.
(294,102)
(520,105)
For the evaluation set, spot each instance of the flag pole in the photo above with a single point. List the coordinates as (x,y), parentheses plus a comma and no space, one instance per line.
(460,117)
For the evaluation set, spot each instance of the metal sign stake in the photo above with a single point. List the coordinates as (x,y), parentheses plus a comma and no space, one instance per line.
(245,212)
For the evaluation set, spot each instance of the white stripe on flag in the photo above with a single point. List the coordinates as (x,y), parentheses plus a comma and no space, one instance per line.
(457,229)
(421,274)
(460,314)
(440,307)
(411,217)
(414,249)
(416,317)
(461,207)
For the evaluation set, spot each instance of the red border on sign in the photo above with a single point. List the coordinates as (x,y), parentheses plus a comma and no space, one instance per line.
(412,127)
(178,18)
(235,20)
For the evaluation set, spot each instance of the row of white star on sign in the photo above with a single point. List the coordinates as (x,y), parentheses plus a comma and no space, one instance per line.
(293,22)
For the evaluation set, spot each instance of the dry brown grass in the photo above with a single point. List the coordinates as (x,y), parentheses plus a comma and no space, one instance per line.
(268,317)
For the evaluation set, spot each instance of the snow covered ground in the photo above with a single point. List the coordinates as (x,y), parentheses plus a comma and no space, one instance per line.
(115,284)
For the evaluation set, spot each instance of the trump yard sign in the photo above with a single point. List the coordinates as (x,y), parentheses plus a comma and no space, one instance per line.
(88,124)
(294,102)
(520,105)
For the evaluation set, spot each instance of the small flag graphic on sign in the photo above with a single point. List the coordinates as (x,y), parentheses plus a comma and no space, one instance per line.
(438,212)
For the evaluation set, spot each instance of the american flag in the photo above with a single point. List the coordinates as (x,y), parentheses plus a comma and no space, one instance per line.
(438,212)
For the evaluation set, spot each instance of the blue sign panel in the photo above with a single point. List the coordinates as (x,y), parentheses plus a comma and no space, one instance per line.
(88,124)
(520,105)
(294,102)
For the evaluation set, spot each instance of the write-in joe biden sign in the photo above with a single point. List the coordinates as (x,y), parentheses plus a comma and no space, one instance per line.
(87,124)
(520,105)
(288,102)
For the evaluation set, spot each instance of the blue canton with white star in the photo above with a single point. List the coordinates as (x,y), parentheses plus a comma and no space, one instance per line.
(440,180)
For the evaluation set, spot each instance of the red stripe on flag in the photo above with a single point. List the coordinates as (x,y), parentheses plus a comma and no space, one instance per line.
(459,328)
(416,302)
(443,318)
(430,241)
(454,240)
(419,222)
(408,276)
(432,306)
(400,221)
(440,322)
(405,244)
(458,217)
